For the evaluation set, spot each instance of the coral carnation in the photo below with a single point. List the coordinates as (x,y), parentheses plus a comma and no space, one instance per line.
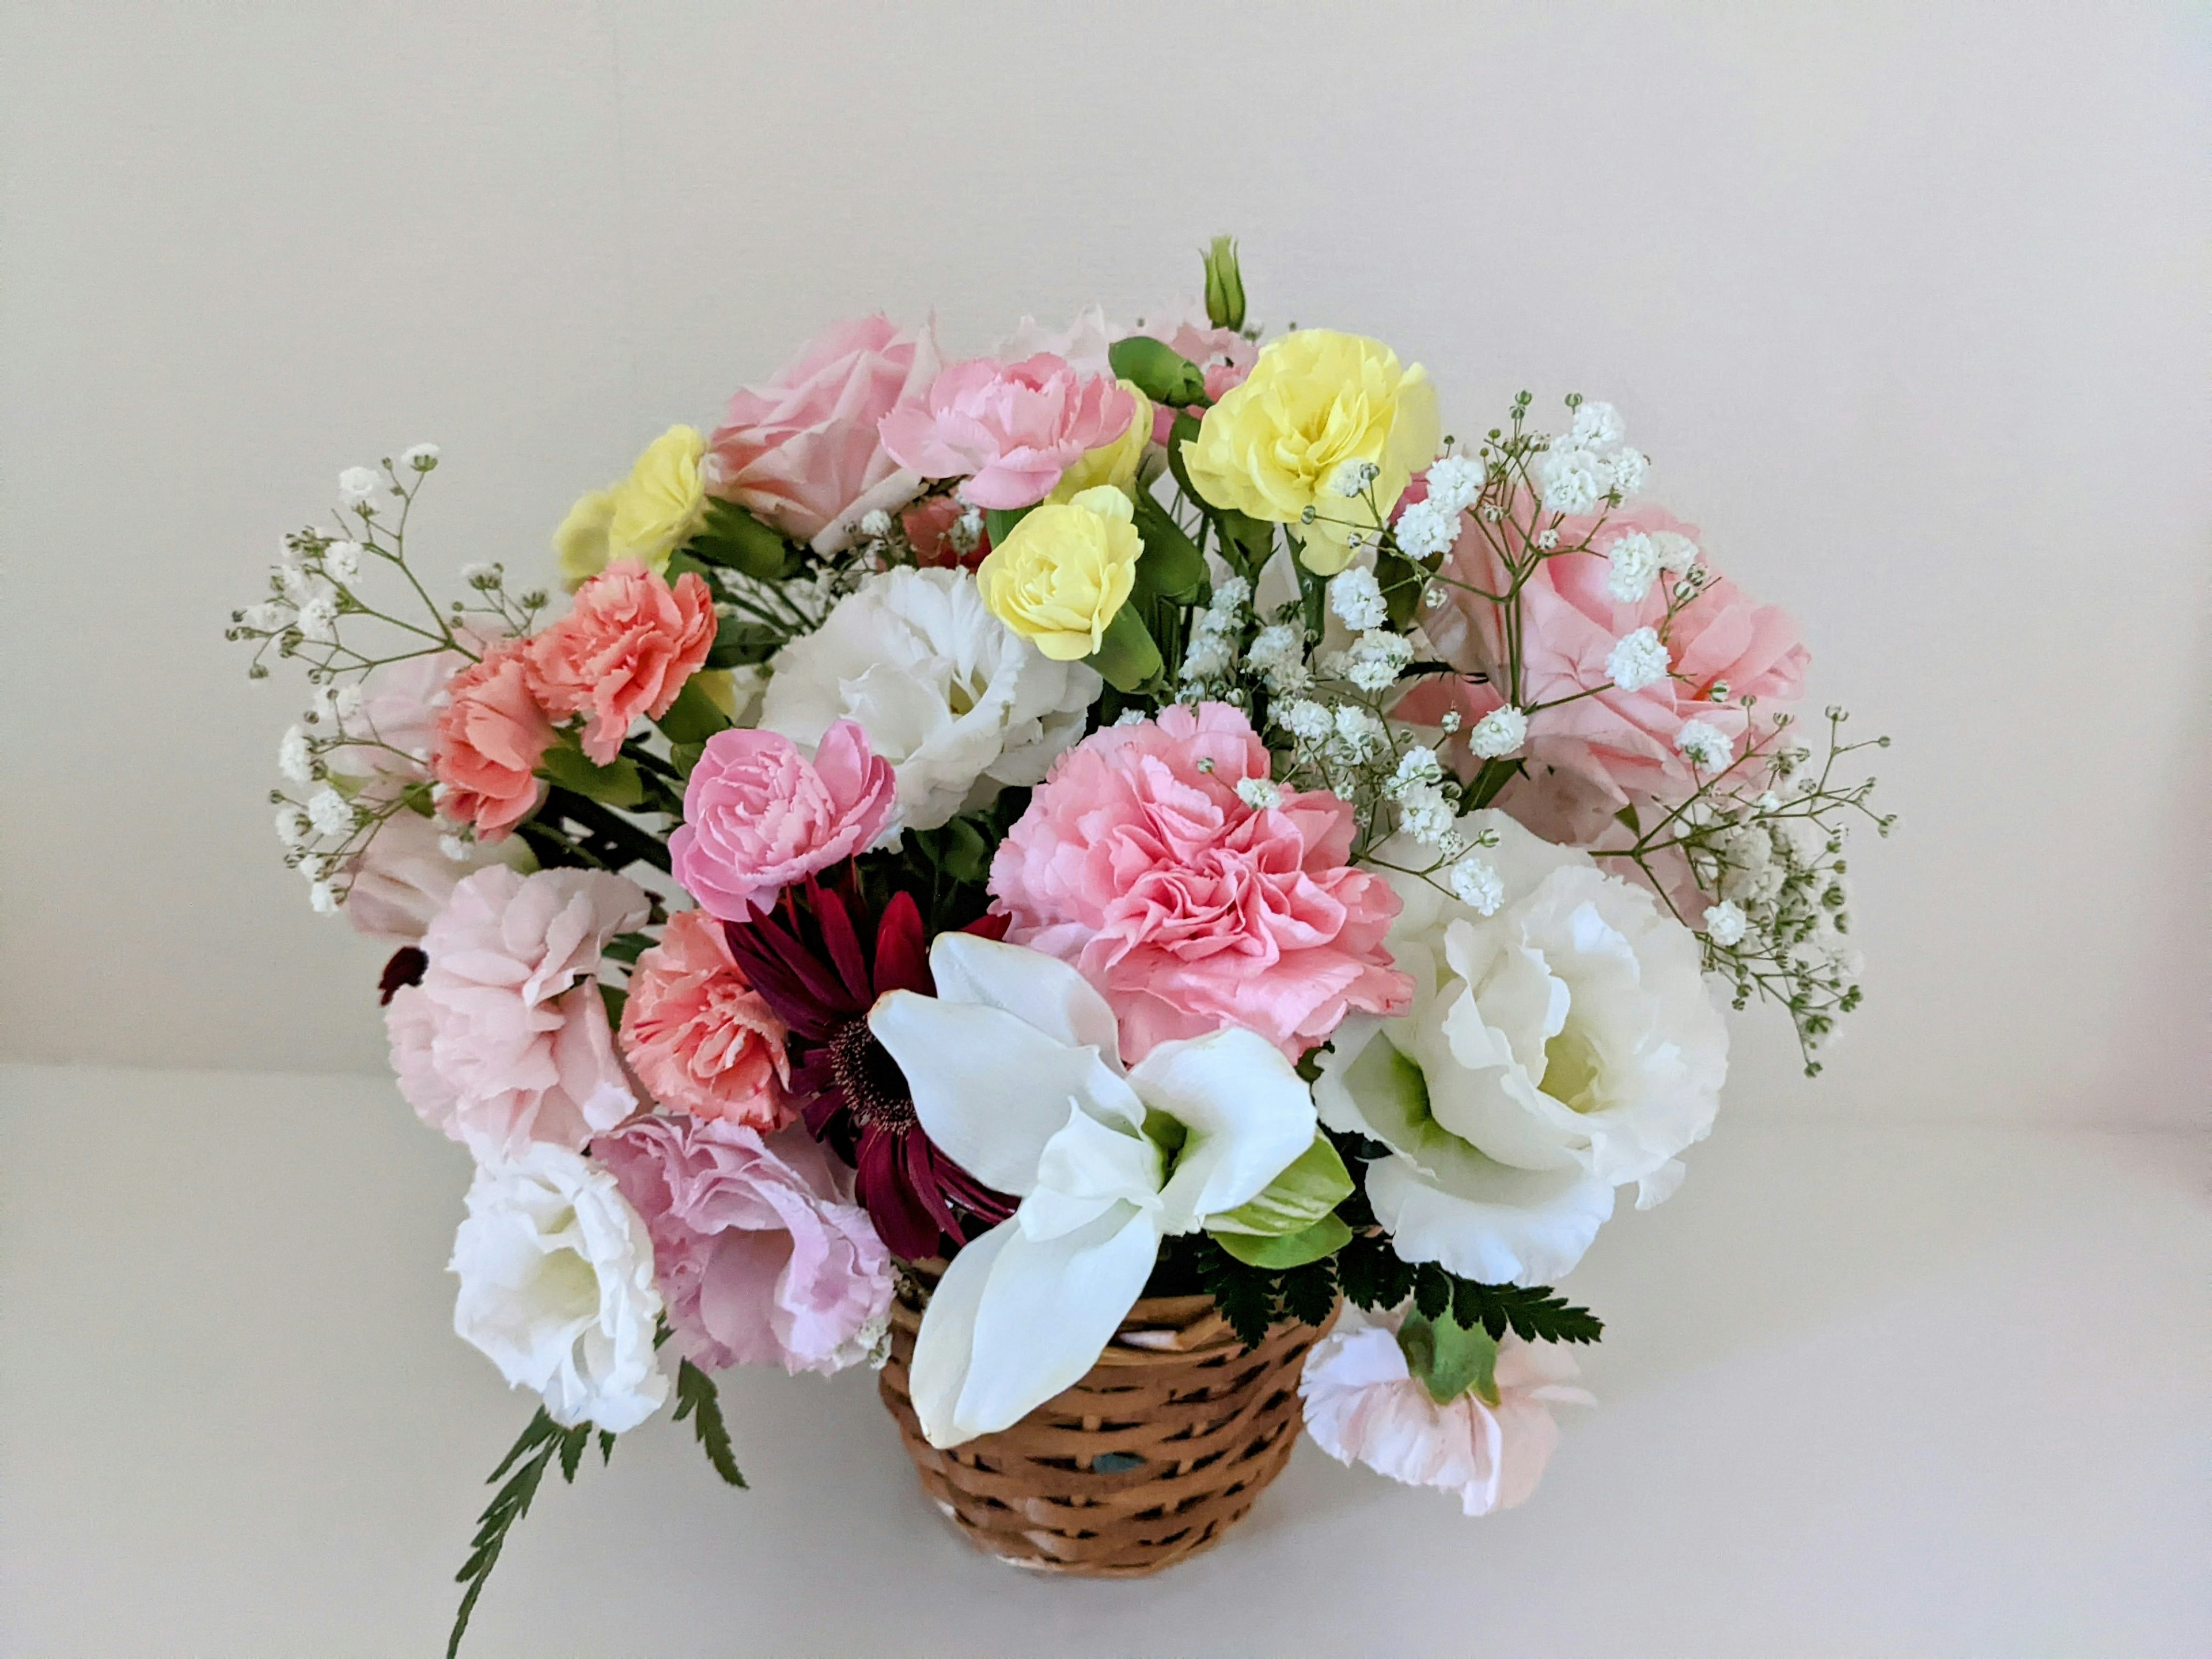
(698,1036)
(625,650)
(1139,862)
(488,741)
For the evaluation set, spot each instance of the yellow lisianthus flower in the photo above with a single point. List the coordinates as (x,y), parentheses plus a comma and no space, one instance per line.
(645,517)
(1114,463)
(1064,571)
(1315,399)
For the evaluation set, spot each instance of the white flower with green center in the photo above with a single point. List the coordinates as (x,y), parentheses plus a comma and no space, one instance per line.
(1016,1072)
(1557,1048)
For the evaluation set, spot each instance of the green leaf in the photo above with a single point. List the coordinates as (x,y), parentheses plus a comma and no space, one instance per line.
(1535,1313)
(1172,565)
(528,1458)
(1450,1357)
(606,1448)
(628,947)
(1158,370)
(1310,1188)
(616,999)
(1373,1274)
(1225,285)
(742,644)
(1185,430)
(694,717)
(684,756)
(1402,582)
(1490,777)
(617,785)
(1127,658)
(965,854)
(1325,1238)
(695,1398)
(572,1442)
(732,538)
(998,522)
(1433,1290)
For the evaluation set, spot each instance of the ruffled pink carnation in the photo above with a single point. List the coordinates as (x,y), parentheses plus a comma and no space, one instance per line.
(802,451)
(1223,355)
(758,814)
(1362,1404)
(505,1040)
(489,740)
(1009,429)
(624,651)
(1189,910)
(761,1256)
(1607,751)
(698,1037)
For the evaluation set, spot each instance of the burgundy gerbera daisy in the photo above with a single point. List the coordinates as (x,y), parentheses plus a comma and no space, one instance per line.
(810,960)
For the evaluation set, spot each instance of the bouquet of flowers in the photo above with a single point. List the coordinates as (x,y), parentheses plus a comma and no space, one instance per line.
(1140,813)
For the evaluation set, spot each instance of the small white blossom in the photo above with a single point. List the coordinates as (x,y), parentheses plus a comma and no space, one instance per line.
(291,824)
(1478,885)
(318,620)
(1425,530)
(1455,483)
(1725,923)
(1356,596)
(1305,719)
(1351,478)
(876,524)
(345,702)
(1425,814)
(303,586)
(1571,478)
(295,759)
(1548,540)
(1207,657)
(1677,553)
(1377,658)
(1638,660)
(482,576)
(331,812)
(322,899)
(421,456)
(1276,654)
(1130,717)
(268,617)
(1708,748)
(453,847)
(356,484)
(1628,468)
(1635,561)
(343,560)
(1359,730)
(1260,794)
(1418,766)
(1597,426)
(966,534)
(1230,596)
(1499,734)
(314,866)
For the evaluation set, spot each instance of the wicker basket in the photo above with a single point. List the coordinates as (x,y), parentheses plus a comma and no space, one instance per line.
(1154,1455)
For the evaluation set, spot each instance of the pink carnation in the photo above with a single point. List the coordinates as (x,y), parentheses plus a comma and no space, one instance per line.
(505,1040)
(760,1254)
(397,884)
(1605,751)
(624,650)
(802,452)
(758,815)
(698,1036)
(1223,355)
(1361,1403)
(1189,910)
(489,740)
(1009,429)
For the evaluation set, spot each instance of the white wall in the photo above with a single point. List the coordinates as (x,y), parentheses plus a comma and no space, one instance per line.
(1907,302)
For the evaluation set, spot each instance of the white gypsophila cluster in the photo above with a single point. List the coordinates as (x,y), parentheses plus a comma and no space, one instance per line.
(1428,814)
(1355,595)
(1638,660)
(1308,721)
(875,524)
(1351,478)
(1725,923)
(1277,655)
(1476,884)
(1210,658)
(1704,746)
(966,533)
(1456,483)
(1588,463)
(1261,794)
(343,560)
(1426,531)
(1634,558)
(1358,734)
(330,812)
(1677,552)
(356,484)
(1499,734)
(420,457)
(1375,660)
(1418,767)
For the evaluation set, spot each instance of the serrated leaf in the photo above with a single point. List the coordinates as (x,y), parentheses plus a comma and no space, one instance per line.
(1314,1184)
(606,1448)
(573,1443)
(1433,1290)
(1280,1251)
(696,1398)
(1310,1292)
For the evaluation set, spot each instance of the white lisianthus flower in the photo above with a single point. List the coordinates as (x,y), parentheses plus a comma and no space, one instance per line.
(1555,1049)
(557,1287)
(956,702)
(1015,1066)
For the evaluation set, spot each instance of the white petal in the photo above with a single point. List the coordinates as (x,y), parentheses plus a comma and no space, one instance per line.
(1484,1220)
(1039,989)
(990,1089)
(944,1345)
(1086,1169)
(1247,1114)
(1659,1186)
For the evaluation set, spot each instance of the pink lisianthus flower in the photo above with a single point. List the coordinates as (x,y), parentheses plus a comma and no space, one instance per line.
(698,1036)
(1361,1403)
(625,650)
(802,451)
(505,1039)
(761,1255)
(487,741)
(1223,355)
(1594,754)
(758,814)
(1009,429)
(1139,863)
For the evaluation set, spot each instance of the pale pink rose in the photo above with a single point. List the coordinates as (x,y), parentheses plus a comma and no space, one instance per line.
(1140,864)
(802,451)
(760,1254)
(1593,755)
(1361,1403)
(401,880)
(1222,354)
(624,651)
(1008,429)
(698,1036)
(505,1040)
(758,814)
(487,741)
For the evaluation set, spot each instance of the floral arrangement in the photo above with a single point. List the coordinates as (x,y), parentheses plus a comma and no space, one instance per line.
(1141,809)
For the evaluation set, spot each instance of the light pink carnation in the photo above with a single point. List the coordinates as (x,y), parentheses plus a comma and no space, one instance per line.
(399,883)
(761,1255)
(1605,751)
(1010,429)
(698,1036)
(1222,354)
(758,815)
(1189,910)
(1361,1403)
(802,452)
(489,740)
(396,722)
(504,1040)
(624,651)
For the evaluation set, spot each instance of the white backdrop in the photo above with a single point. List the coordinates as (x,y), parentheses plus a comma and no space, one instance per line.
(1907,302)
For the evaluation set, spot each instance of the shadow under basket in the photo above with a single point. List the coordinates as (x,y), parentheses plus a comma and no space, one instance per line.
(1160,1449)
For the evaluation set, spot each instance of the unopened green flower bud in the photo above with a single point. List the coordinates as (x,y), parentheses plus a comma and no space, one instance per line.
(1225,285)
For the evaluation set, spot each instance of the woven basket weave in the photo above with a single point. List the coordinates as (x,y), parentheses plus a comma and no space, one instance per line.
(1158,1451)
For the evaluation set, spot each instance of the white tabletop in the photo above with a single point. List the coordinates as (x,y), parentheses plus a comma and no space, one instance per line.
(1866,1389)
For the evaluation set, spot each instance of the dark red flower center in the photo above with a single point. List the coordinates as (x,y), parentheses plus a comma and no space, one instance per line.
(874,1087)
